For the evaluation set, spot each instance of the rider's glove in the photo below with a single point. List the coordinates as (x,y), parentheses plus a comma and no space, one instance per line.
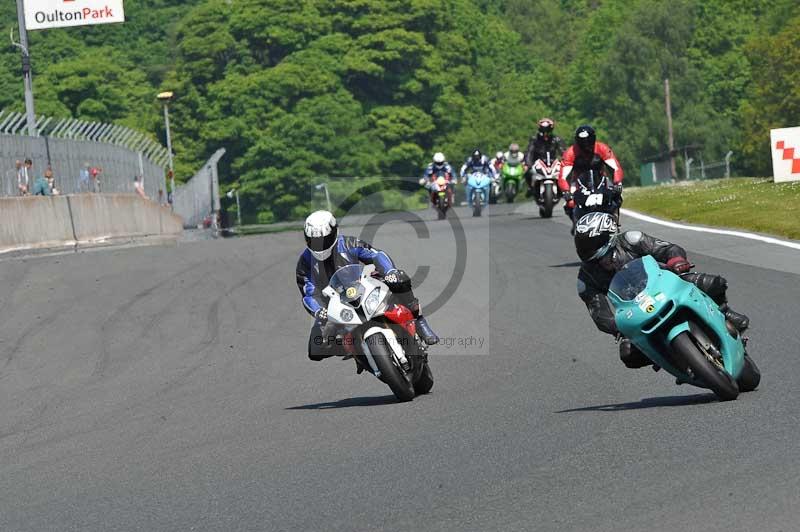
(397,281)
(321,316)
(616,189)
(679,265)
(567,195)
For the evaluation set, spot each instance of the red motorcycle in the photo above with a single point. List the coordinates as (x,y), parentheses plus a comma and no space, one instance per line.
(441,190)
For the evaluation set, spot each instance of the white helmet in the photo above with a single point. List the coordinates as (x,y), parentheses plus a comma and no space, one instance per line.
(321,233)
(499,155)
(438,158)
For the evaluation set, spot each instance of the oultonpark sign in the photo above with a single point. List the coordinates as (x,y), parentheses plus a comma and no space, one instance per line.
(43,14)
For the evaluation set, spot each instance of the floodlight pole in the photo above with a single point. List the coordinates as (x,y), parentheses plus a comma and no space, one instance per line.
(26,69)
(671,140)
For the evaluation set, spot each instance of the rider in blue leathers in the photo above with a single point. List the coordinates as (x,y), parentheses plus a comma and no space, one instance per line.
(477,162)
(326,251)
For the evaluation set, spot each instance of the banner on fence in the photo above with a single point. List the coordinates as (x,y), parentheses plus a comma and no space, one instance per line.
(785,144)
(43,14)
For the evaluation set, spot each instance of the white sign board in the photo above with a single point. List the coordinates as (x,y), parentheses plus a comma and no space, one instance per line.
(43,14)
(785,144)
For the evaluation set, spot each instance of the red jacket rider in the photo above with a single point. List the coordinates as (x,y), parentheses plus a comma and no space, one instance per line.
(578,158)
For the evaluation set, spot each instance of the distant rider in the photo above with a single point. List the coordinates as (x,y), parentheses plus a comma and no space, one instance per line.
(325,253)
(514,157)
(497,162)
(477,162)
(604,251)
(544,142)
(439,167)
(580,158)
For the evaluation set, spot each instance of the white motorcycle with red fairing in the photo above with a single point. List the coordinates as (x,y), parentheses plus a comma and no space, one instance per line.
(378,334)
(545,187)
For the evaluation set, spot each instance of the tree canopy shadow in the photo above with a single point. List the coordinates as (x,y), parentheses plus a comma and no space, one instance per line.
(648,402)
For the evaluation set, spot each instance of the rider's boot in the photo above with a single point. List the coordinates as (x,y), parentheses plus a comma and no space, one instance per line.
(425,332)
(740,321)
(423,328)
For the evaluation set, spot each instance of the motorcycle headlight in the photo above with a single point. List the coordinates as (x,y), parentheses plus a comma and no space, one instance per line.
(372,301)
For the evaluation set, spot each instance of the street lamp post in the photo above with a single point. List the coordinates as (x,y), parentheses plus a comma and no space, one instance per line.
(324,186)
(165,97)
(231,193)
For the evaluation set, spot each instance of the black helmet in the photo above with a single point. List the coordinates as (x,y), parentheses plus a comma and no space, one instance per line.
(476,156)
(585,138)
(595,235)
(546,126)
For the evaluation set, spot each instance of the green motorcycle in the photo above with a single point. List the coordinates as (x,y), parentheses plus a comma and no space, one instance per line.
(511,177)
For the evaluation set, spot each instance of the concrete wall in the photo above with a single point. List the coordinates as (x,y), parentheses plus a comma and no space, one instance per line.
(61,221)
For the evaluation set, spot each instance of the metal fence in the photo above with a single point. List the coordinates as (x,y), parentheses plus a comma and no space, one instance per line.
(659,171)
(70,146)
(198,199)
(713,170)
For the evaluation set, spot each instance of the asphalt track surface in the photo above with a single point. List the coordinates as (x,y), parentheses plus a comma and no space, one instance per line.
(168,388)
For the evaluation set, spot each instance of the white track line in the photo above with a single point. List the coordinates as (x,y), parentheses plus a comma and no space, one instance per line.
(726,232)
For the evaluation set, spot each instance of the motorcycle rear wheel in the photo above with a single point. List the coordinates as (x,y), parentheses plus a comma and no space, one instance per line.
(717,380)
(397,380)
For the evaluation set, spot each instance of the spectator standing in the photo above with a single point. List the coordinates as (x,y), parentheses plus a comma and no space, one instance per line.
(138,185)
(83,177)
(94,175)
(23,177)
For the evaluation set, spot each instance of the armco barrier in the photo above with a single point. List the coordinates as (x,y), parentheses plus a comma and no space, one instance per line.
(75,220)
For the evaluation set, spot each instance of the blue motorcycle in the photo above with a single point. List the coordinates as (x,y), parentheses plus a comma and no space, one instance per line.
(478,185)
(681,329)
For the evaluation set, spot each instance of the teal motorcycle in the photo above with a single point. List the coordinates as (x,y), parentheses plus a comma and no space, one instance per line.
(681,329)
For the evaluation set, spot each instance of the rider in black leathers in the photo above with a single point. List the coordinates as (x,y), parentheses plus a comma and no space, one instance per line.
(539,146)
(603,252)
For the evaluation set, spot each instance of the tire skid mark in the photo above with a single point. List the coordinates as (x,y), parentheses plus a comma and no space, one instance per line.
(25,335)
(117,413)
(120,312)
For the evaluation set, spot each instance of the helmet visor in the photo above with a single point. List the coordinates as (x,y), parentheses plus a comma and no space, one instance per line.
(586,145)
(601,253)
(321,243)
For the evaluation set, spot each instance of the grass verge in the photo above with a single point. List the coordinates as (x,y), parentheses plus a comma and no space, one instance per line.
(744,203)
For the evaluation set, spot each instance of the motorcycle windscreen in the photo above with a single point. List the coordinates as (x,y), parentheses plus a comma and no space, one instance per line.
(347,282)
(629,281)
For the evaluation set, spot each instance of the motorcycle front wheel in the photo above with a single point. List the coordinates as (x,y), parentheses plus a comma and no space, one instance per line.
(750,377)
(511,192)
(477,200)
(547,201)
(424,382)
(397,379)
(711,374)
